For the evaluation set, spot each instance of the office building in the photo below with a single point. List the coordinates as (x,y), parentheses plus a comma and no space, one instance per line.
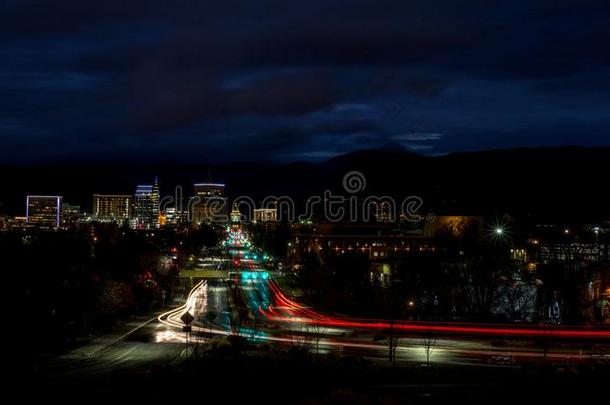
(265,215)
(70,215)
(206,190)
(146,207)
(43,211)
(171,216)
(209,204)
(112,208)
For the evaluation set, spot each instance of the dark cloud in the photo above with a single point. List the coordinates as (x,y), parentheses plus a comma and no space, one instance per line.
(290,80)
(347,126)
(162,99)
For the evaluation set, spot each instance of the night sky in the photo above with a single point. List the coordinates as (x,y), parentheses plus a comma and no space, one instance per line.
(303,80)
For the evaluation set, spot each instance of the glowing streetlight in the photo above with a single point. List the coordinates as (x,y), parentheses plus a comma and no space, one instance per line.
(499,231)
(596,231)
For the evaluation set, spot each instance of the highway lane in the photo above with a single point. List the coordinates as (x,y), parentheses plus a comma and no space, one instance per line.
(162,343)
(137,352)
(453,342)
(364,343)
(147,344)
(275,318)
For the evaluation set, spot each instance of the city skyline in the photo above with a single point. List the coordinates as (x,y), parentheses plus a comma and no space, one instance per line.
(512,168)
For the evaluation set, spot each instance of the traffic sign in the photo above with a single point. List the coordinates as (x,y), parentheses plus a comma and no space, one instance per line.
(187,318)
(187,329)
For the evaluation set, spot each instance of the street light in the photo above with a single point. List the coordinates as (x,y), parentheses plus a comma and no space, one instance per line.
(499,231)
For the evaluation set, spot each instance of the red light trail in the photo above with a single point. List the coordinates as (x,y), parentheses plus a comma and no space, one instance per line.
(298,313)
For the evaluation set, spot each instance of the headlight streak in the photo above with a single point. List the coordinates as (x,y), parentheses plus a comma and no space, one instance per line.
(172,319)
(265,297)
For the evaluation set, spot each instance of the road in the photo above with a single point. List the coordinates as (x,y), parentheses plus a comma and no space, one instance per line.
(252,305)
(273,317)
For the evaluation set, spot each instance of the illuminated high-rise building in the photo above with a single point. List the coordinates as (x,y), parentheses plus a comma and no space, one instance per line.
(70,214)
(205,190)
(112,208)
(146,206)
(43,211)
(210,204)
(156,198)
(171,216)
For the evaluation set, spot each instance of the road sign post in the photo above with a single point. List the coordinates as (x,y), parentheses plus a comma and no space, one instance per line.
(187,318)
